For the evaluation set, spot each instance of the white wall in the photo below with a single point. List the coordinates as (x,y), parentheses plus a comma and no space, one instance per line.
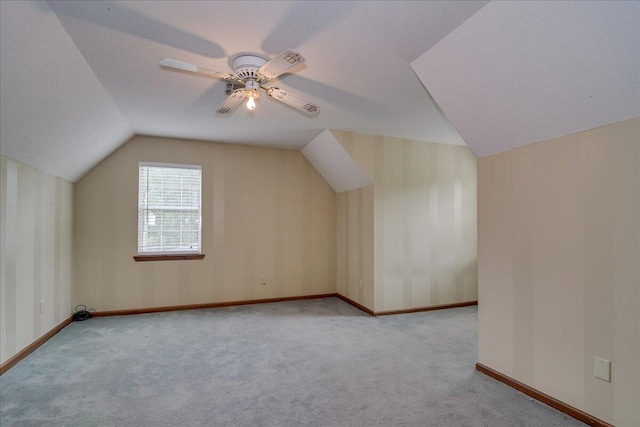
(35,255)
(424,210)
(559,275)
(265,212)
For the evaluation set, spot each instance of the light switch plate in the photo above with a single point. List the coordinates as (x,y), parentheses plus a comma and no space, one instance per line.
(602,369)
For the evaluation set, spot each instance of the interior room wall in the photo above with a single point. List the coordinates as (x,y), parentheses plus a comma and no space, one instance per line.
(355,245)
(265,212)
(425,227)
(559,275)
(36,217)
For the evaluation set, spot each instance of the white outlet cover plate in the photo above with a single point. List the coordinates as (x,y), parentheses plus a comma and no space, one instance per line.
(602,369)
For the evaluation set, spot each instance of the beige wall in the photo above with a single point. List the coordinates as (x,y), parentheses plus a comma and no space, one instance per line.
(425,230)
(559,257)
(35,255)
(266,212)
(355,245)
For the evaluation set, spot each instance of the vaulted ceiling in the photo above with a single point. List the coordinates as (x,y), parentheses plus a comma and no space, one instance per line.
(80,78)
(522,72)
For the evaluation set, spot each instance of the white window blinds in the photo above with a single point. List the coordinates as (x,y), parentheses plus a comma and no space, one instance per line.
(169,208)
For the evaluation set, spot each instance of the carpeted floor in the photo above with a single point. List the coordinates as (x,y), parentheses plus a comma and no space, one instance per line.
(302,363)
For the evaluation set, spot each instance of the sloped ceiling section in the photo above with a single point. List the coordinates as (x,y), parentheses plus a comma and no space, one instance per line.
(335,165)
(516,73)
(55,114)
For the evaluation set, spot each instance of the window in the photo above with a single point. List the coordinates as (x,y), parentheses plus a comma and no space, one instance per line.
(169,209)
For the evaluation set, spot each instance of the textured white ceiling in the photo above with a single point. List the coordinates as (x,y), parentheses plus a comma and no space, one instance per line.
(79,78)
(54,114)
(522,72)
(336,166)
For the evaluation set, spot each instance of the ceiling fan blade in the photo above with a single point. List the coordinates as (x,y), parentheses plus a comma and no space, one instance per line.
(185,66)
(293,100)
(281,64)
(231,102)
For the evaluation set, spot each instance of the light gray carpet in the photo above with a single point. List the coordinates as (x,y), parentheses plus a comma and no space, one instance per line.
(302,363)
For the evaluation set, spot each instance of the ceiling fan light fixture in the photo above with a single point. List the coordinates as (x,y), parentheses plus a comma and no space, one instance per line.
(251,91)
(251,103)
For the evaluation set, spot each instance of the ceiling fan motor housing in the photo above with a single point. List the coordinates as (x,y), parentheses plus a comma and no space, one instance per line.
(246,67)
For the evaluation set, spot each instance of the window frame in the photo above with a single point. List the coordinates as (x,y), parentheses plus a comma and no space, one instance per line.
(169,255)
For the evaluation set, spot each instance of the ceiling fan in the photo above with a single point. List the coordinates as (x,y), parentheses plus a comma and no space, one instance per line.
(252,72)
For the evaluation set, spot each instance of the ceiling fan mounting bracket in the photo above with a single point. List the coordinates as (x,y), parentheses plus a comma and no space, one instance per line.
(231,87)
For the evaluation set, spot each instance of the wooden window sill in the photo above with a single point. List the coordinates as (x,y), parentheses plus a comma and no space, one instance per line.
(167,257)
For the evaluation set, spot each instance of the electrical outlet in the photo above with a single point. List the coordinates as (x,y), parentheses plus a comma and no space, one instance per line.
(263,281)
(41,307)
(602,369)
